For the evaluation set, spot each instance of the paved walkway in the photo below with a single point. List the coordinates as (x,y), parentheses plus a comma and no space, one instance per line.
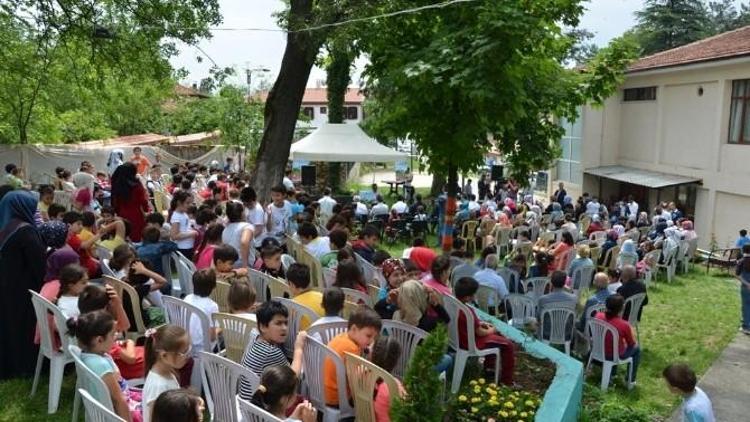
(727,382)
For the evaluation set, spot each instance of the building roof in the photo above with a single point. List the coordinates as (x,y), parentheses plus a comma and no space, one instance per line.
(320,96)
(635,176)
(186,91)
(723,46)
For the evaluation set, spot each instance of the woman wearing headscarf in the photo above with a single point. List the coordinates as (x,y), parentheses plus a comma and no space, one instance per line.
(688,233)
(670,244)
(394,274)
(643,220)
(422,258)
(60,253)
(628,254)
(130,199)
(557,213)
(116,159)
(595,226)
(21,269)
(608,244)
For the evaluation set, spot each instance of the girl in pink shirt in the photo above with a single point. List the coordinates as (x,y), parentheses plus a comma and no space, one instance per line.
(385,354)
(211,238)
(439,274)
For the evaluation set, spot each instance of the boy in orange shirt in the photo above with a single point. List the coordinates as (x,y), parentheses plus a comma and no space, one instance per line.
(364,326)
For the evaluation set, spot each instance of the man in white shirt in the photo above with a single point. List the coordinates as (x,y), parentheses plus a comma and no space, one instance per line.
(632,208)
(380,208)
(316,245)
(278,213)
(473,204)
(400,206)
(287,182)
(360,207)
(326,204)
(490,278)
(593,207)
(254,214)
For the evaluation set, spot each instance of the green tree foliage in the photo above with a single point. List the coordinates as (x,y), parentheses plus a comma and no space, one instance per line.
(424,401)
(665,24)
(89,57)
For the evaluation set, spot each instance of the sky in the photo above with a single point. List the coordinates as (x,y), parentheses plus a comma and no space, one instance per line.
(264,49)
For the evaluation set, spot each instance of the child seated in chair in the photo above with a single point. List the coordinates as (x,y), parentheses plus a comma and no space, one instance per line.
(364,326)
(485,334)
(224,258)
(385,354)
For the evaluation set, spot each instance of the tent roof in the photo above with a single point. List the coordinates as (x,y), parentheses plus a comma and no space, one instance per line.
(342,142)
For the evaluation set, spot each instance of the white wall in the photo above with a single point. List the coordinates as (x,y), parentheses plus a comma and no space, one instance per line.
(681,132)
(320,118)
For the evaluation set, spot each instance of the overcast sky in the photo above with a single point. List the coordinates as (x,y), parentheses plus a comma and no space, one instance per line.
(262,49)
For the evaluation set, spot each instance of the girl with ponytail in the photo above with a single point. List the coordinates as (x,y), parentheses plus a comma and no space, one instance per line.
(167,351)
(277,392)
(95,332)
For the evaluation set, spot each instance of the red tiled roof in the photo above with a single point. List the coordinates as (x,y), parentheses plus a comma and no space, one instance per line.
(727,45)
(186,91)
(320,96)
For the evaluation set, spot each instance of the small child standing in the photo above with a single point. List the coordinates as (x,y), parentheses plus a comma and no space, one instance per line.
(277,392)
(364,326)
(73,279)
(385,354)
(167,351)
(696,406)
(204,282)
(95,332)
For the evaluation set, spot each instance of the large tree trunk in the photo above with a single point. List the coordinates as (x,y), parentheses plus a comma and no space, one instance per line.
(337,82)
(284,101)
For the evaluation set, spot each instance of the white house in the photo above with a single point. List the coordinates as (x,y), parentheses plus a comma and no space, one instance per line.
(315,106)
(678,129)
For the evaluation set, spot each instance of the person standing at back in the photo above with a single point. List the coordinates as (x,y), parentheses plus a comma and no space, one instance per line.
(142,163)
(742,273)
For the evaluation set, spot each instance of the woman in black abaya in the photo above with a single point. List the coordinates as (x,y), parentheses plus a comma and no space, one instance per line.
(22,267)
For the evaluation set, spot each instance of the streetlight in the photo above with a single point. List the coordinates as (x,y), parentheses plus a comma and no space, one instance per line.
(249,76)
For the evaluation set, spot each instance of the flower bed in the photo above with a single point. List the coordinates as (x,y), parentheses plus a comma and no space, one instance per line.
(480,401)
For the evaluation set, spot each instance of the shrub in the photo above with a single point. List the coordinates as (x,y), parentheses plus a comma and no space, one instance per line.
(482,401)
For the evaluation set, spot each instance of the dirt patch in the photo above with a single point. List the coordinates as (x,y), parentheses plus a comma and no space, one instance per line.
(533,374)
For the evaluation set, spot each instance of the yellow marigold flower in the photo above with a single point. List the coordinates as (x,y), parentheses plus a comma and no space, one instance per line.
(476,400)
(531,412)
(472,383)
(490,391)
(520,420)
(493,385)
(463,398)
(508,404)
(481,380)
(524,414)
(503,414)
(474,410)
(477,390)
(529,403)
(513,413)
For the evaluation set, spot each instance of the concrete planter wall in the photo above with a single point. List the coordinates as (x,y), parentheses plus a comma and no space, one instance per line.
(562,401)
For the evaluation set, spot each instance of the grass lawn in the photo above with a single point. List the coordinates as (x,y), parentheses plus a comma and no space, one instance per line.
(17,406)
(691,320)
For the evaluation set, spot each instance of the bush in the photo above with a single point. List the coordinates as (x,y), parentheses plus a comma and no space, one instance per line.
(482,401)
(424,399)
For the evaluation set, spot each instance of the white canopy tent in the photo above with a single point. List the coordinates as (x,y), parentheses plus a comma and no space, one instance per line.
(343,142)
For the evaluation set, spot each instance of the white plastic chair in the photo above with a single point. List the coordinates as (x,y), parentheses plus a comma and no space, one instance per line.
(454,307)
(57,358)
(185,270)
(650,269)
(368,270)
(634,304)
(297,312)
(314,358)
(363,377)
(511,278)
(124,289)
(325,332)
(287,261)
(598,237)
(537,286)
(260,283)
(278,287)
(102,252)
(487,298)
(181,313)
(63,198)
(582,278)
(561,325)
(253,413)
(106,269)
(237,332)
(522,308)
(460,271)
(355,296)
(95,411)
(669,264)
(682,257)
(598,331)
(502,240)
(221,383)
(329,277)
(409,337)
(90,382)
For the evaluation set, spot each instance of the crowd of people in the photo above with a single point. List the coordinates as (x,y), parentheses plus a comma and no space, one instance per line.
(113,226)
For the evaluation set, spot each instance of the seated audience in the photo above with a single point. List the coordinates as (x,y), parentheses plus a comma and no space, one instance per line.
(385,354)
(368,240)
(167,351)
(241,299)
(178,405)
(316,245)
(277,392)
(333,304)
(349,276)
(298,277)
(439,275)
(631,285)
(490,278)
(600,283)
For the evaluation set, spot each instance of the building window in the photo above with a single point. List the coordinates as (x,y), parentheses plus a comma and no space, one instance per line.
(351,113)
(739,115)
(639,94)
(324,110)
(569,163)
(309,112)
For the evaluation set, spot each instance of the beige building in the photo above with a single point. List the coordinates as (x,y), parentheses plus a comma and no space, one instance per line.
(677,130)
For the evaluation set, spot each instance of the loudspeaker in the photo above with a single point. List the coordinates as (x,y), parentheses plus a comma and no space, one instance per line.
(497,173)
(308,175)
